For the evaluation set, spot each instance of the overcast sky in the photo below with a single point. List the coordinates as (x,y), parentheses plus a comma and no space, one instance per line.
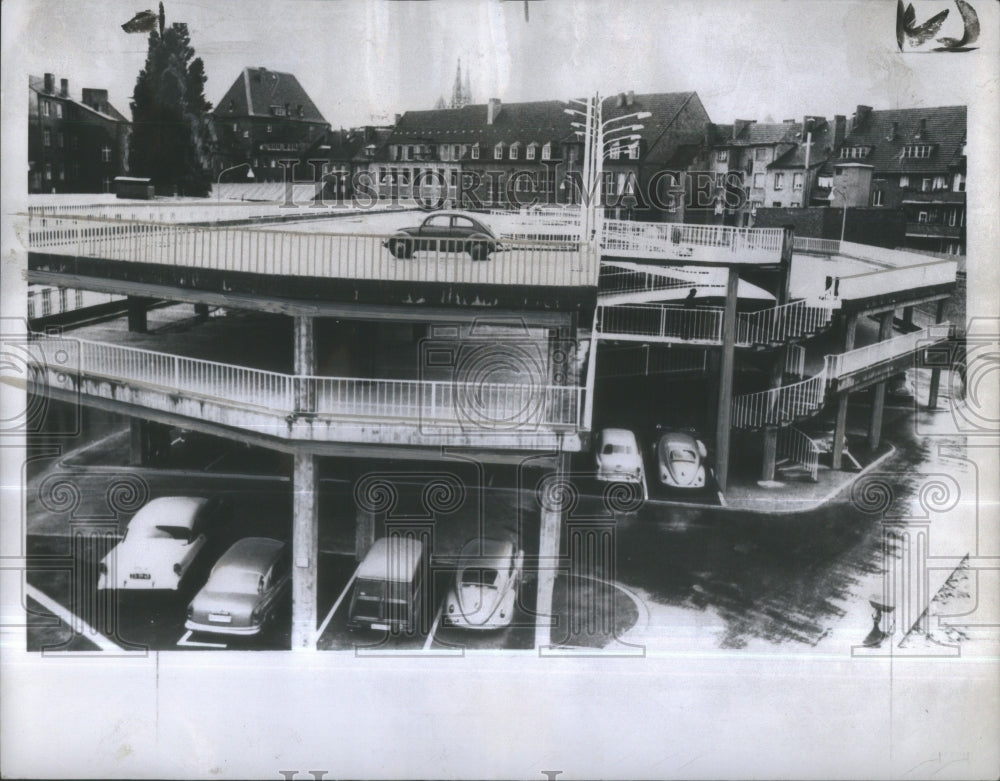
(364,61)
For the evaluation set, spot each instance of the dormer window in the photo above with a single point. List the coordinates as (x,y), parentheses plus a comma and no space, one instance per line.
(615,152)
(475,151)
(531,151)
(854,152)
(547,152)
(513,150)
(498,151)
(633,150)
(917,151)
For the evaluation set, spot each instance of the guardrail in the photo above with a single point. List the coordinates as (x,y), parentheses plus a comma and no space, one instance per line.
(800,449)
(795,360)
(816,246)
(892,280)
(310,254)
(664,323)
(779,406)
(504,407)
(679,241)
(643,360)
(841,365)
(781,323)
(614,281)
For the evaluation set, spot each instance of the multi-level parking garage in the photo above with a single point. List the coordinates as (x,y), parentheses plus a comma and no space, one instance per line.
(438,357)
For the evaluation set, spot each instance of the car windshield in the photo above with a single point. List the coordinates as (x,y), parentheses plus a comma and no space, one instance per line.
(610,448)
(474,576)
(238,581)
(683,456)
(167,532)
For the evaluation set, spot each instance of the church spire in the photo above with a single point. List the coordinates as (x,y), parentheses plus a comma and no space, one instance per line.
(461,94)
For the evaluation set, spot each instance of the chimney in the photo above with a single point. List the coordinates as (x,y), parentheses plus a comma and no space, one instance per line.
(894,132)
(839,130)
(739,125)
(620,99)
(861,115)
(95,98)
(492,110)
(50,82)
(64,87)
(922,132)
(630,98)
(397,118)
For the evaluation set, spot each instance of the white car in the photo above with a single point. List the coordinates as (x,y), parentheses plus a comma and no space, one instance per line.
(618,457)
(161,543)
(484,593)
(681,460)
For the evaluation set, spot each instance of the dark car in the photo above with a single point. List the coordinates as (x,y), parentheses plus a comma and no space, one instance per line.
(445,232)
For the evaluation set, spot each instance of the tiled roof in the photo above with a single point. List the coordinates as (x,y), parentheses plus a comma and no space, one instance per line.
(256,90)
(756,134)
(37,84)
(820,149)
(945,130)
(539,122)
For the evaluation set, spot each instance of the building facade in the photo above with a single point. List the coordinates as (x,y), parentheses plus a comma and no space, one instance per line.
(74,146)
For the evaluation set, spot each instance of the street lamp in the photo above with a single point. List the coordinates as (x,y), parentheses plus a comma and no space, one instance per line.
(224,171)
(843,223)
(593,129)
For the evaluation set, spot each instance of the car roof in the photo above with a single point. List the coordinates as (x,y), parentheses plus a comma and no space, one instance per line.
(251,553)
(677,438)
(454,213)
(486,553)
(617,435)
(393,559)
(169,511)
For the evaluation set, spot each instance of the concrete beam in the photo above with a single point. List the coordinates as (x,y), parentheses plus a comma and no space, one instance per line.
(726,371)
(878,390)
(305,551)
(932,395)
(137,314)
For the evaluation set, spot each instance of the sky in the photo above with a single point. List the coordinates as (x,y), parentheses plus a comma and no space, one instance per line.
(363,62)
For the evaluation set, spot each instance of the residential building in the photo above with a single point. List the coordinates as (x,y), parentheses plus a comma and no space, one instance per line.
(915,159)
(516,154)
(74,146)
(264,118)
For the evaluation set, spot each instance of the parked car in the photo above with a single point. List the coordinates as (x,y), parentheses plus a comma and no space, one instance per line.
(388,589)
(485,588)
(162,542)
(681,458)
(445,231)
(244,588)
(618,457)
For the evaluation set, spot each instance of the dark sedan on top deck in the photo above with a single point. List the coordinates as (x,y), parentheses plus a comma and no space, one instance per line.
(445,231)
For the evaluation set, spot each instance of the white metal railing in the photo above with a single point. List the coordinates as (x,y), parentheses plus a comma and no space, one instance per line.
(816,246)
(800,449)
(795,360)
(779,406)
(781,323)
(891,280)
(488,406)
(642,360)
(619,281)
(325,255)
(695,242)
(664,323)
(838,366)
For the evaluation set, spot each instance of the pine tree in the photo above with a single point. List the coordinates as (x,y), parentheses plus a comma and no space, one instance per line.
(172,134)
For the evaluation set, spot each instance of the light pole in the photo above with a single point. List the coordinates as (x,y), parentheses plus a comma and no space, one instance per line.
(843,222)
(594,131)
(224,171)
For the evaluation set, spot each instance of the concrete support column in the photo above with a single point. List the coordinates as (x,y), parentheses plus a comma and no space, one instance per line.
(932,395)
(550,535)
(840,429)
(137,314)
(364,532)
(201,311)
(878,391)
(149,442)
(908,315)
(726,370)
(304,362)
(712,390)
(770,459)
(305,550)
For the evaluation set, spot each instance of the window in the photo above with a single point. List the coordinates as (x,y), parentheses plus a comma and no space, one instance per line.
(62,174)
(918,151)
(854,152)
(47,138)
(268,129)
(760,153)
(105,154)
(904,182)
(409,153)
(475,151)
(236,127)
(722,156)
(547,152)
(615,152)
(779,181)
(59,110)
(940,183)
(246,134)
(529,153)
(797,181)
(45,108)
(78,295)
(513,151)
(922,217)
(47,301)
(877,198)
(456,152)
(48,172)
(959,186)
(633,150)
(758,181)
(498,152)
(106,183)
(952,217)
(795,204)
(776,204)
(925,184)
(63,300)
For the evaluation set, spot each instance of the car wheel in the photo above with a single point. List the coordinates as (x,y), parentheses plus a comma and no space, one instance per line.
(401,248)
(479,249)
